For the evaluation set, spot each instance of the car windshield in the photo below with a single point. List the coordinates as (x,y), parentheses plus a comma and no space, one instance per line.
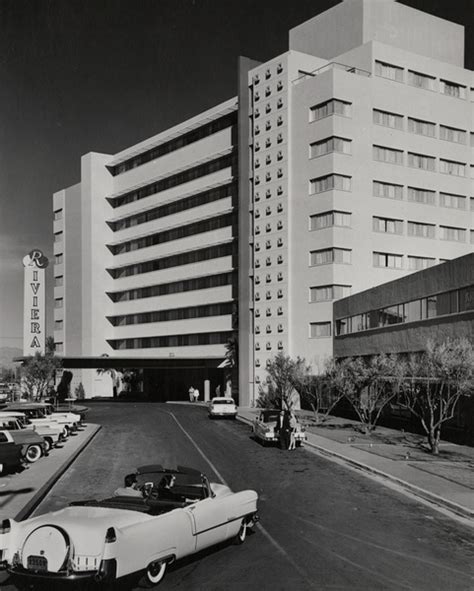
(228,401)
(180,486)
(270,417)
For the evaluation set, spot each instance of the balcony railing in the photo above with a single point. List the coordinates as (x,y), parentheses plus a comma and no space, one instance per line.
(331,66)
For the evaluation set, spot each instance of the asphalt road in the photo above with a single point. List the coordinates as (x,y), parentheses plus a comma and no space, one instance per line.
(323,526)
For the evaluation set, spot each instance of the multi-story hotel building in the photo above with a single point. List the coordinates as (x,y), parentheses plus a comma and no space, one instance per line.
(355,167)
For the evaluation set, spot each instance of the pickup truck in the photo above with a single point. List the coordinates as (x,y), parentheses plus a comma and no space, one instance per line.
(10,453)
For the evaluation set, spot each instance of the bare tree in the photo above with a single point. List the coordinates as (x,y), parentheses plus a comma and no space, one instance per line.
(317,391)
(283,373)
(367,385)
(435,381)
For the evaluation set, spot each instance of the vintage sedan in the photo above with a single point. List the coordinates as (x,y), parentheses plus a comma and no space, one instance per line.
(265,427)
(166,515)
(11,457)
(223,407)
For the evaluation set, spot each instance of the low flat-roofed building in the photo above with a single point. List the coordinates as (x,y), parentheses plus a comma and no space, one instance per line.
(401,315)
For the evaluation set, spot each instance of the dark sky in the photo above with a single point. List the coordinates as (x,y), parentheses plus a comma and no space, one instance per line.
(99,75)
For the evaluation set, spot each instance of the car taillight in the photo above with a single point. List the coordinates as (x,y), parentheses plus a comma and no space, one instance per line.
(5,526)
(110,536)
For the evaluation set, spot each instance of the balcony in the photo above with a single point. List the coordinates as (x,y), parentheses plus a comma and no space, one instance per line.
(331,66)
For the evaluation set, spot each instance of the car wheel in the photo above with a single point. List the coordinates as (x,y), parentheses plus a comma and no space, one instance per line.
(48,444)
(33,453)
(154,574)
(240,537)
(66,431)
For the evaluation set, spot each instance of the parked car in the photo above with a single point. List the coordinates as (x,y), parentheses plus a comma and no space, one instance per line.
(33,446)
(36,413)
(222,406)
(17,420)
(120,535)
(10,453)
(265,427)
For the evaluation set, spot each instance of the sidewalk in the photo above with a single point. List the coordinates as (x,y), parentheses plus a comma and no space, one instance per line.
(21,492)
(446,480)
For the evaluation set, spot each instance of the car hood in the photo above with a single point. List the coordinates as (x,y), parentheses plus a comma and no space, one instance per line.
(86,526)
(26,436)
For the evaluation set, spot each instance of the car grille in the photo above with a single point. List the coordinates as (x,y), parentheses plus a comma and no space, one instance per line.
(37,563)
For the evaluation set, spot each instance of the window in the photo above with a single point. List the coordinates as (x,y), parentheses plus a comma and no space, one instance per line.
(328,183)
(58,303)
(58,259)
(420,80)
(471,139)
(388,71)
(388,260)
(388,155)
(452,234)
(329,219)
(453,89)
(330,255)
(58,281)
(421,161)
(452,134)
(387,190)
(418,263)
(58,324)
(454,201)
(329,145)
(387,225)
(421,127)
(58,215)
(319,329)
(58,236)
(472,236)
(421,230)
(452,167)
(421,196)
(331,107)
(387,119)
(327,293)
(59,347)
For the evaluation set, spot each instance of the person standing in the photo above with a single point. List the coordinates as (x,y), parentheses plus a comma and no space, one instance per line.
(196,395)
(284,429)
(293,427)
(191,394)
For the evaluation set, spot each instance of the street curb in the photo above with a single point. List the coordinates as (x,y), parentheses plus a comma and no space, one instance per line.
(48,485)
(417,491)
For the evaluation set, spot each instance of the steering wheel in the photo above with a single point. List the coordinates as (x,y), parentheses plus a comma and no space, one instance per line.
(146,489)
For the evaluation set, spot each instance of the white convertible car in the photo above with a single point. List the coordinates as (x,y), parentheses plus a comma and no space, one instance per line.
(172,514)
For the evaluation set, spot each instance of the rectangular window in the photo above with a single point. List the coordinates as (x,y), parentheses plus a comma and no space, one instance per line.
(327,293)
(452,134)
(421,230)
(58,325)
(471,139)
(387,225)
(388,260)
(454,201)
(388,71)
(319,329)
(452,234)
(330,182)
(387,119)
(59,347)
(412,311)
(421,196)
(329,219)
(453,89)
(329,145)
(421,161)
(388,155)
(330,255)
(58,302)
(421,127)
(387,190)
(58,259)
(420,80)
(58,236)
(418,263)
(331,107)
(58,215)
(472,236)
(58,281)
(452,167)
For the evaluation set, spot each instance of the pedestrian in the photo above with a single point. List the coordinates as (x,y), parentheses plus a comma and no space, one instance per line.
(191,394)
(218,391)
(293,428)
(196,395)
(284,429)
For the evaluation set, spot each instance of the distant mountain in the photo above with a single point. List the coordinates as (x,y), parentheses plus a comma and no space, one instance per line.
(7,354)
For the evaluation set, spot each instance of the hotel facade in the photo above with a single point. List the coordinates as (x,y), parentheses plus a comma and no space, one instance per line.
(342,164)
